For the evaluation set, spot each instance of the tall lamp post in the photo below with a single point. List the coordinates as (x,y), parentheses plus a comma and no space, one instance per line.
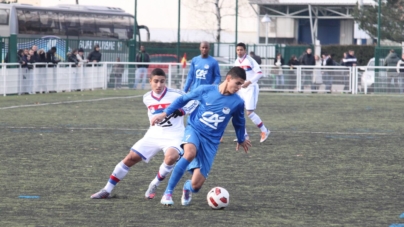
(378,22)
(266,20)
(179,30)
(236,29)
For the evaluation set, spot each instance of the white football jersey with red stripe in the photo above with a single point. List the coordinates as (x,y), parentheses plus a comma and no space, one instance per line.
(156,104)
(251,68)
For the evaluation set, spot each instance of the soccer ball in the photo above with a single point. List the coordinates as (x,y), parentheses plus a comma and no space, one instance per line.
(218,198)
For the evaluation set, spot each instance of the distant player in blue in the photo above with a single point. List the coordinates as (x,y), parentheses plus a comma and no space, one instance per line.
(206,125)
(204,69)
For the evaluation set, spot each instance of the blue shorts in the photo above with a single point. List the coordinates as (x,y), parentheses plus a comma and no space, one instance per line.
(205,151)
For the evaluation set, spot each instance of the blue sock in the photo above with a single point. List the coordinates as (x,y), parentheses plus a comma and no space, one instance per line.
(176,175)
(188,186)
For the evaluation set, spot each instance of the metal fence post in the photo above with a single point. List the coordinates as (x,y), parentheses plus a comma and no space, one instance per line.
(46,79)
(57,82)
(20,78)
(105,68)
(34,77)
(92,77)
(81,76)
(299,78)
(169,75)
(69,77)
(3,69)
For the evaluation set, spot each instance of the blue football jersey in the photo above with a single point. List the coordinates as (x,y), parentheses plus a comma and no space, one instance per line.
(214,112)
(202,71)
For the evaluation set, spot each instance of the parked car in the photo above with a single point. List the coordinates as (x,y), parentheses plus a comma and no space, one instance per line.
(162,58)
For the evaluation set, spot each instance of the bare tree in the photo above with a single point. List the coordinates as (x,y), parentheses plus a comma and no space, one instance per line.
(217,8)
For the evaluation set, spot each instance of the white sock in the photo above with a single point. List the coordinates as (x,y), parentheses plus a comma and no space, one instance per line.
(162,173)
(117,175)
(257,121)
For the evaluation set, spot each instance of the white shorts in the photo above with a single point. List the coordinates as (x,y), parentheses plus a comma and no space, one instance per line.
(250,96)
(148,147)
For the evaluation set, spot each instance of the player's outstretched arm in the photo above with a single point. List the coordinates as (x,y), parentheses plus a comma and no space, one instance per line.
(158,118)
(246,145)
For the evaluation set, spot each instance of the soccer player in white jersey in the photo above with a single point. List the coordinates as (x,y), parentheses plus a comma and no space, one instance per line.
(166,136)
(250,89)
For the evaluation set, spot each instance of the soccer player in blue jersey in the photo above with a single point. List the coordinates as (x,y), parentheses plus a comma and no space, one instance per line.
(204,69)
(217,105)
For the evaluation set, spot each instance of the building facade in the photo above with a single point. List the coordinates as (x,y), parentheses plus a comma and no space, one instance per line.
(305,21)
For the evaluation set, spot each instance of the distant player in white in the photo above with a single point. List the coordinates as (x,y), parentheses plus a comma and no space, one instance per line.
(250,90)
(166,137)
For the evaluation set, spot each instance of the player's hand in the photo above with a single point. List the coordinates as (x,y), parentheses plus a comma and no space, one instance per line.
(246,84)
(177,113)
(158,118)
(246,145)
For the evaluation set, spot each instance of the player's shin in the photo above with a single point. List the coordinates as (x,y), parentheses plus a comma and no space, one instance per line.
(257,121)
(117,175)
(162,173)
(178,172)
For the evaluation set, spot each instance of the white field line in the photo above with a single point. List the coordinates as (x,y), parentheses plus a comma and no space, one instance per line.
(68,102)
(230,131)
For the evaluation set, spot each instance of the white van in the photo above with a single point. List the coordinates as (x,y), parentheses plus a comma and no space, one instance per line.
(368,76)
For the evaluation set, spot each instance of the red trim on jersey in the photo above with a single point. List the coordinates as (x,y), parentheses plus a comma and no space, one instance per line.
(161,96)
(246,67)
(161,106)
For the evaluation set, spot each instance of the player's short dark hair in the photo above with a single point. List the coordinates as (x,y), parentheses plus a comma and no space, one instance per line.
(241,45)
(158,72)
(237,72)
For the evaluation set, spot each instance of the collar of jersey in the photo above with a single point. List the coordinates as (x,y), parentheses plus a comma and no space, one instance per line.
(161,96)
(240,60)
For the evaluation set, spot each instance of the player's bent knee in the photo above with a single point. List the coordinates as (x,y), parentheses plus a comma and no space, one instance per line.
(189,151)
(171,156)
(189,157)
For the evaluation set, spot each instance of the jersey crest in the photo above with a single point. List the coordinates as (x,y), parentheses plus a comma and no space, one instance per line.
(211,119)
(201,74)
